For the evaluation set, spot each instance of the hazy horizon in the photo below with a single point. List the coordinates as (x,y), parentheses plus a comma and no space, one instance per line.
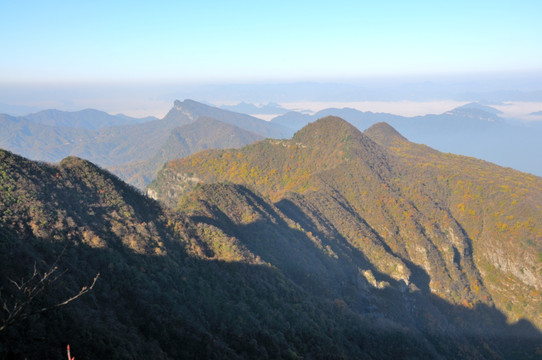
(515,97)
(136,58)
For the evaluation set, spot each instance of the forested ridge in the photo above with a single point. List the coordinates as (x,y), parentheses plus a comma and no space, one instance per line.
(334,244)
(469,229)
(169,286)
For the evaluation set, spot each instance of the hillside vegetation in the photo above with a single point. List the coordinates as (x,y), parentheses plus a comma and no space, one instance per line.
(335,244)
(170,286)
(472,129)
(471,230)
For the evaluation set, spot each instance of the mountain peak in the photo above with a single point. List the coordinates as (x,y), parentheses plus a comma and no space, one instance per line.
(336,140)
(188,111)
(478,106)
(384,134)
(182,112)
(180,105)
(476,111)
(84,166)
(325,130)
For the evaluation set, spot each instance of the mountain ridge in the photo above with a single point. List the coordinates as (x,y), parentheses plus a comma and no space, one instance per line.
(335,256)
(112,146)
(384,134)
(244,121)
(435,200)
(204,283)
(204,133)
(472,129)
(90,119)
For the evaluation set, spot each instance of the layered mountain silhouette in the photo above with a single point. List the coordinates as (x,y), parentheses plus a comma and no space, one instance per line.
(90,119)
(334,244)
(116,141)
(473,129)
(204,133)
(122,144)
(193,110)
(50,135)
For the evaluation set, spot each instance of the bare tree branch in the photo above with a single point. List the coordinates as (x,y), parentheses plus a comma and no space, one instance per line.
(83,291)
(28,290)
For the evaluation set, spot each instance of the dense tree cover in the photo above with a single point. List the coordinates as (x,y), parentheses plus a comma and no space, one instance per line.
(170,287)
(325,246)
(431,221)
(499,212)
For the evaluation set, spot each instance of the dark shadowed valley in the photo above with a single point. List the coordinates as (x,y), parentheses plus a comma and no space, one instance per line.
(335,243)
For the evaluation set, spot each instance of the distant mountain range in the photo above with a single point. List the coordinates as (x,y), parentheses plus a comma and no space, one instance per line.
(85,119)
(473,130)
(334,244)
(129,146)
(123,143)
(204,133)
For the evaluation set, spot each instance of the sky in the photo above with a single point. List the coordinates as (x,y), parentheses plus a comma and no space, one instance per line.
(137,57)
(249,41)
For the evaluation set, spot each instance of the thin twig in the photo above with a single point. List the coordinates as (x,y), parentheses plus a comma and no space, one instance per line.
(28,292)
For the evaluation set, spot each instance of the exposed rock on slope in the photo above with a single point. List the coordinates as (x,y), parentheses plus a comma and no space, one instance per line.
(472,229)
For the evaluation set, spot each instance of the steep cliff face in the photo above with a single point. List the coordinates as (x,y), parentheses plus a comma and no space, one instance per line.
(498,214)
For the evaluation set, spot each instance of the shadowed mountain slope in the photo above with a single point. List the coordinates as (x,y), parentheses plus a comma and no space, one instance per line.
(173,286)
(471,228)
(335,244)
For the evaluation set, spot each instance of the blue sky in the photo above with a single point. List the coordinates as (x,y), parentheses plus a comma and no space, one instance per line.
(248,41)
